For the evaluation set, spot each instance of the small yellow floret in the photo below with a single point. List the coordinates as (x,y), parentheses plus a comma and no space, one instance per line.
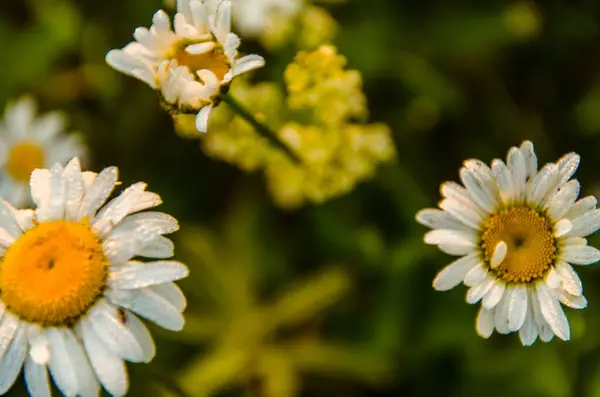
(23,158)
(53,273)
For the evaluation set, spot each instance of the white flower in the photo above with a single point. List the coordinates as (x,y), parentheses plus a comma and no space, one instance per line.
(191,66)
(28,142)
(518,231)
(70,283)
(255,17)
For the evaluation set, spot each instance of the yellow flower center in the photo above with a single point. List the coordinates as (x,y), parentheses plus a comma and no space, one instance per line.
(213,60)
(23,158)
(529,236)
(53,273)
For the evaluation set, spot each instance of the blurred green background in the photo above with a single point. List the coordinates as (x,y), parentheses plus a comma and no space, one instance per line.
(336,299)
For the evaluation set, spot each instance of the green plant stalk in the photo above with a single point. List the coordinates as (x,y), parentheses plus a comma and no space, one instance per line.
(261,128)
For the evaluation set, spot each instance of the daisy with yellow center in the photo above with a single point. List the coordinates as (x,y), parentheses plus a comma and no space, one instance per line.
(192,65)
(71,281)
(28,142)
(517,230)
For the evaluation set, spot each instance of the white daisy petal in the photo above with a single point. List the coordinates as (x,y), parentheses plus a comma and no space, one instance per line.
(159,248)
(552,312)
(98,192)
(517,307)
(108,366)
(61,365)
(477,180)
(528,332)
(504,179)
(466,214)
(8,328)
(562,227)
(36,377)
(142,336)
(581,207)
(499,254)
(454,273)
(563,199)
(572,301)
(150,305)
(200,48)
(116,336)
(501,314)
(519,170)
(476,275)
(202,118)
(138,275)
(493,297)
(567,166)
(75,189)
(580,255)
(569,279)
(542,183)
(172,293)
(553,279)
(477,292)
(12,362)
(450,237)
(438,219)
(529,157)
(585,224)
(485,323)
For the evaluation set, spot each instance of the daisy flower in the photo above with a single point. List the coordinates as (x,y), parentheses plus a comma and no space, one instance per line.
(192,65)
(255,17)
(71,281)
(517,231)
(28,142)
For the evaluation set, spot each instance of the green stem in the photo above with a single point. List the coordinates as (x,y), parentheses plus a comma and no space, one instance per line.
(261,128)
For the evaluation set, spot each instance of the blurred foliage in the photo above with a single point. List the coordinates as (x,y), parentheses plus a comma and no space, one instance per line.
(453,80)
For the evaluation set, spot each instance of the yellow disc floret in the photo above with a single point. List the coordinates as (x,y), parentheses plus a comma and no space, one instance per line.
(22,159)
(529,236)
(53,273)
(213,60)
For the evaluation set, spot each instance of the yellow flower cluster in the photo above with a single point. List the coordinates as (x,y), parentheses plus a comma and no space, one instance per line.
(321,120)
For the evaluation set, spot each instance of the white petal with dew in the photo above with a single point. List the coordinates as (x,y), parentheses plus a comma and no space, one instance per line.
(581,207)
(504,179)
(553,312)
(528,332)
(435,218)
(563,199)
(453,274)
(517,307)
(12,362)
(476,275)
(36,378)
(572,301)
(139,275)
(202,118)
(477,292)
(499,254)
(570,280)
(485,322)
(150,305)
(542,184)
(580,255)
(562,227)
(585,224)
(108,325)
(493,297)
(108,366)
